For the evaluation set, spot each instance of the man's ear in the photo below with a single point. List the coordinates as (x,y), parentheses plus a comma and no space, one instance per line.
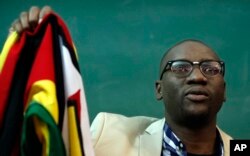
(158,90)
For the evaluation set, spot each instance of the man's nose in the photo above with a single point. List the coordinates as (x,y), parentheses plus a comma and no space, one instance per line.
(196,77)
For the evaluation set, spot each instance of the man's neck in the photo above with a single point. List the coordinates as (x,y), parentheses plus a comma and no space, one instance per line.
(197,141)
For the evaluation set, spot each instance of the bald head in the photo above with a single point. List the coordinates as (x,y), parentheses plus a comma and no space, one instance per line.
(188,49)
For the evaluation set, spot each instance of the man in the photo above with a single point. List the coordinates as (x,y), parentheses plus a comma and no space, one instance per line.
(192,87)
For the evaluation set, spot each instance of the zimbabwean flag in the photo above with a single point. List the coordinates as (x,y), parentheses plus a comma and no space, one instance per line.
(43,109)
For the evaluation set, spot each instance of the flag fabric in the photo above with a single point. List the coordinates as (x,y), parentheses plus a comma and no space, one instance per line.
(43,109)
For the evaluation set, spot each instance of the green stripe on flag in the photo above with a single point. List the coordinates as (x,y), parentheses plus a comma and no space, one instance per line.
(56,146)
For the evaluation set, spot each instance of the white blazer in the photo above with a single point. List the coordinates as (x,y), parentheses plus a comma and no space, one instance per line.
(117,135)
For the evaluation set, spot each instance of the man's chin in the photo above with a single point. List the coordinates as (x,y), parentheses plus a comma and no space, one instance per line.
(196,120)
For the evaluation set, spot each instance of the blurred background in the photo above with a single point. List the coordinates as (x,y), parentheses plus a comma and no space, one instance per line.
(121,42)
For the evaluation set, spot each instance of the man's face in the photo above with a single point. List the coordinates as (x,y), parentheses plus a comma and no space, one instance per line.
(194,99)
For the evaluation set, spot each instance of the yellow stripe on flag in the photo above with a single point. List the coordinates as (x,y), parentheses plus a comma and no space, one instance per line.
(75,51)
(43,135)
(75,146)
(7,45)
(44,92)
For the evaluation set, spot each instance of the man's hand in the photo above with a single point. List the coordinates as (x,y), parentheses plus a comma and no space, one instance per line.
(29,20)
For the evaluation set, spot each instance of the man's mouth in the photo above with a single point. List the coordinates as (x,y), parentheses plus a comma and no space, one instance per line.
(196,95)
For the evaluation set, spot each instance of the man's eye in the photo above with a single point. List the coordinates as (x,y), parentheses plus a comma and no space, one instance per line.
(211,69)
(181,68)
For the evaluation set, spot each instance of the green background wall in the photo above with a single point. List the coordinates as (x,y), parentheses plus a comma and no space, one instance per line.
(120,44)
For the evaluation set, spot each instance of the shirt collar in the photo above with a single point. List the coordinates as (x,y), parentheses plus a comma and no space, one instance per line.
(172,145)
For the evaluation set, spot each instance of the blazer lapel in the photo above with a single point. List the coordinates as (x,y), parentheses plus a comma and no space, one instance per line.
(151,139)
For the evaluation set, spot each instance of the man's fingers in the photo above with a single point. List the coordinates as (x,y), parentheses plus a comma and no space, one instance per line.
(24,19)
(17,26)
(33,16)
(44,11)
(29,20)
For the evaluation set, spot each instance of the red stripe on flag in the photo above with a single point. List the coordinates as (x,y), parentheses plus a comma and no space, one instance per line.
(43,66)
(76,98)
